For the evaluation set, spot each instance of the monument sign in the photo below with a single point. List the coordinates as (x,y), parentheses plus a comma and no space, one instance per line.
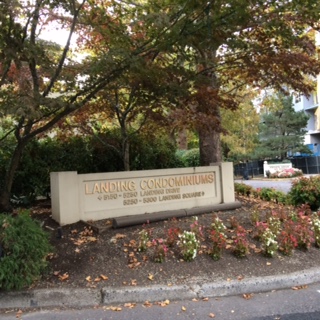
(109,195)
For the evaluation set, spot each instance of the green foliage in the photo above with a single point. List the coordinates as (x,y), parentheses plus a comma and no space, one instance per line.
(155,152)
(42,157)
(243,189)
(306,191)
(25,247)
(189,158)
(242,127)
(271,194)
(83,155)
(267,194)
(282,129)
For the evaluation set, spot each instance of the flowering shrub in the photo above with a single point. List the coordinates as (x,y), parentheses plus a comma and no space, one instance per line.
(173,236)
(217,225)
(144,238)
(315,220)
(274,224)
(261,227)
(287,238)
(303,232)
(306,191)
(269,242)
(287,173)
(218,243)
(241,244)
(160,250)
(189,245)
(255,216)
(197,229)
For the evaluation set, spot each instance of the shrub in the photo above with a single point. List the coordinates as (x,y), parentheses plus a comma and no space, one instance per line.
(286,173)
(241,244)
(243,189)
(306,191)
(269,242)
(25,248)
(218,243)
(189,245)
(270,194)
(189,158)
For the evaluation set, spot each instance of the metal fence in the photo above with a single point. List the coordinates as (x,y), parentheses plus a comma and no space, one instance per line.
(308,165)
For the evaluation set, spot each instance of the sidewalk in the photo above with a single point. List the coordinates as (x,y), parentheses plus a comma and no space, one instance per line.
(80,297)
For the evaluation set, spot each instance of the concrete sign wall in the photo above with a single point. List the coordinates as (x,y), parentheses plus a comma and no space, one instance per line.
(109,195)
(275,167)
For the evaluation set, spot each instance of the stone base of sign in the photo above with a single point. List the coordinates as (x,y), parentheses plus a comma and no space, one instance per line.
(121,222)
(99,196)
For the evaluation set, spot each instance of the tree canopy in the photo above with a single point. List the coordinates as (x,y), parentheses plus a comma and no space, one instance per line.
(282,129)
(204,53)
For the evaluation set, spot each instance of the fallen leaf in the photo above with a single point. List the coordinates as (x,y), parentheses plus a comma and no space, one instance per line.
(115,308)
(120,236)
(98,279)
(300,287)
(240,278)
(103,277)
(211,315)
(18,314)
(247,296)
(63,277)
(77,250)
(88,279)
(147,304)
(268,263)
(183,308)
(205,299)
(134,282)
(56,273)
(150,277)
(129,305)
(195,300)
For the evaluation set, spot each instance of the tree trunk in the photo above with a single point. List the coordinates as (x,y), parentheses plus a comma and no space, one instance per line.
(126,154)
(210,148)
(5,191)
(182,139)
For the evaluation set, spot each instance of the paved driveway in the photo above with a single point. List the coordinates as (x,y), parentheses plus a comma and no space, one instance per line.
(281,185)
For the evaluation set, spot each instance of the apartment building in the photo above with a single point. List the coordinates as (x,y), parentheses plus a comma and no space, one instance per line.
(310,105)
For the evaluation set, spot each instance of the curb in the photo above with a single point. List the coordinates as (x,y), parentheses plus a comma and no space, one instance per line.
(110,296)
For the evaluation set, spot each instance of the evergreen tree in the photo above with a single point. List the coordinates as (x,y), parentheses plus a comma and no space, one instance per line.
(282,129)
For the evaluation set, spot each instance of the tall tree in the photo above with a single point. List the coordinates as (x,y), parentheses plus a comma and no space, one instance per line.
(40,82)
(241,130)
(282,129)
(214,44)
(206,44)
